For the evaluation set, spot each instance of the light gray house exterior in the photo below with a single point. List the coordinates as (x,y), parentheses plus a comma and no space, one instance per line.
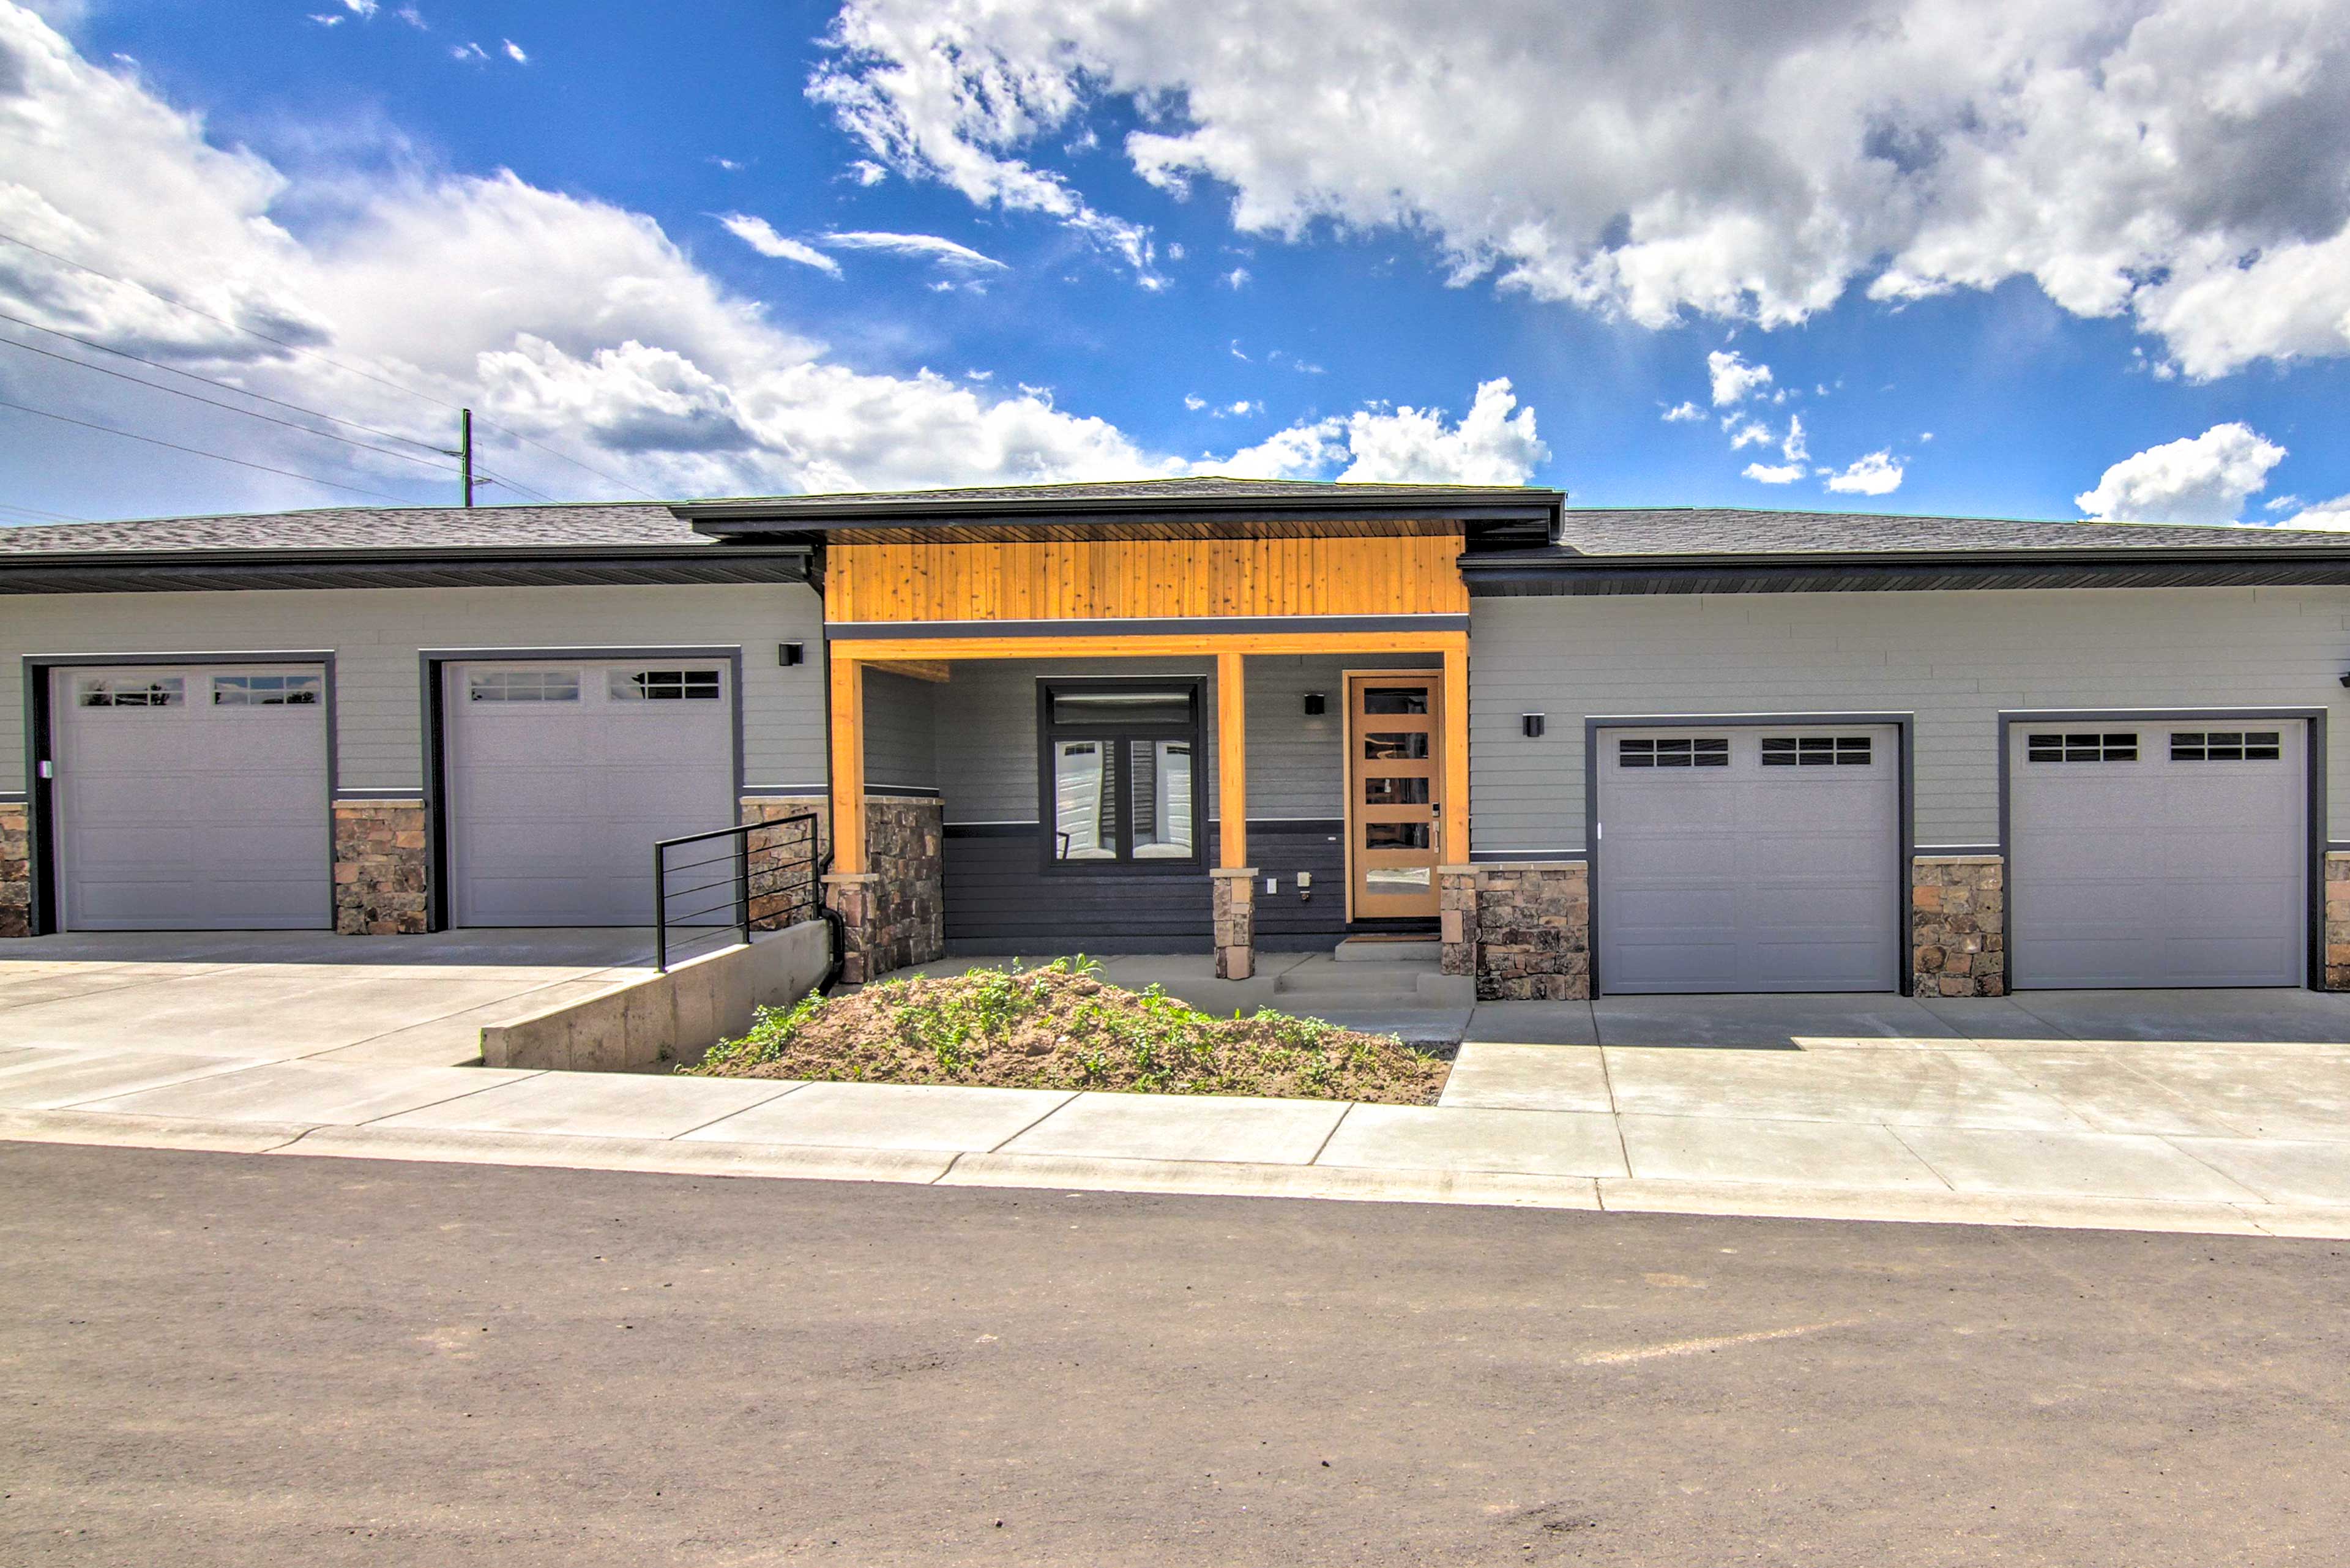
(1706,750)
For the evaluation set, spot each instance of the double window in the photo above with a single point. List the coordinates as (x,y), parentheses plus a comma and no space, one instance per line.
(2103,746)
(1120,773)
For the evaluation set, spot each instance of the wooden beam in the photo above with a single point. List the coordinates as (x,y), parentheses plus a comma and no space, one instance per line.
(1455,824)
(932,670)
(1232,762)
(848,766)
(871,651)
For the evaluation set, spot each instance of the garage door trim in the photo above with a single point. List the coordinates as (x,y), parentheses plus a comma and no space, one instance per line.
(43,865)
(1903,726)
(2313,814)
(430,663)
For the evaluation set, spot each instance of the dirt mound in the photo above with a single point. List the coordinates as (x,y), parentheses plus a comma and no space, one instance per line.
(1060,1027)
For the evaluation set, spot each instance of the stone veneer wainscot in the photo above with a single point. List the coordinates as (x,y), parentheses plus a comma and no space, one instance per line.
(1958,925)
(2337,920)
(1522,928)
(16,871)
(380,867)
(894,914)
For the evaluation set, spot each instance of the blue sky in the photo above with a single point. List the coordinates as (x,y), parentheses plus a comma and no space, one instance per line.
(1174,277)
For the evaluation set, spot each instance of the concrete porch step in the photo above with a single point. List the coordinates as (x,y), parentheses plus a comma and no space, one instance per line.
(1389,950)
(1407,984)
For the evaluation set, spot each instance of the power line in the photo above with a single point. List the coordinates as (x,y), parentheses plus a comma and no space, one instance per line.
(316,354)
(223,385)
(39,516)
(232,408)
(198,452)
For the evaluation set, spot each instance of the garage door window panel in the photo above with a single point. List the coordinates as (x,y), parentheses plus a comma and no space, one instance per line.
(100,692)
(2081,747)
(2226,745)
(1677,752)
(523,686)
(663,686)
(267,690)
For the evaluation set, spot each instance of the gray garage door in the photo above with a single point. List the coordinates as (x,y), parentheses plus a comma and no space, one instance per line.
(2158,854)
(191,797)
(1749,858)
(562,773)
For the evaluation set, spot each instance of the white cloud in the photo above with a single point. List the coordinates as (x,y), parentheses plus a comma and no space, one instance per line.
(1746,433)
(1494,443)
(2332,515)
(2198,479)
(1733,379)
(728,164)
(1236,278)
(868,172)
(929,248)
(1793,448)
(413,17)
(1193,401)
(326,21)
(568,321)
(1776,473)
(514,53)
(1682,413)
(1878,473)
(467,52)
(761,236)
(364,9)
(2176,161)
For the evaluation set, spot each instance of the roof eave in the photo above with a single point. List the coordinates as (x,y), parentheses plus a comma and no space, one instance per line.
(723,518)
(1904,571)
(101,571)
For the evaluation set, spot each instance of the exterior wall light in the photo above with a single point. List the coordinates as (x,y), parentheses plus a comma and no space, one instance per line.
(1314,705)
(1532,723)
(790,653)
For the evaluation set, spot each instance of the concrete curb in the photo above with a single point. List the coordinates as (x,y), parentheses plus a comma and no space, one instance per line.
(1760,1201)
(117,1130)
(672,1156)
(1216,1178)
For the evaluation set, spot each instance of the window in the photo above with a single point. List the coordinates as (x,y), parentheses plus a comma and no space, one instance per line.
(1397,746)
(664,685)
(111,692)
(1380,699)
(1119,772)
(2225,745)
(1676,752)
(523,686)
(2082,748)
(1394,792)
(267,690)
(1815,750)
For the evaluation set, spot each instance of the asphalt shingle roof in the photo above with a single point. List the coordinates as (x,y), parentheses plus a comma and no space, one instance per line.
(1727,531)
(369,528)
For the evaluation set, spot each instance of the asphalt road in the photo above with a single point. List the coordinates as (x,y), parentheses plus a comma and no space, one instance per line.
(223,1359)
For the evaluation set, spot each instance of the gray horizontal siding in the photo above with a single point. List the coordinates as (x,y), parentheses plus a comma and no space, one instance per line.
(1955,659)
(376,633)
(900,740)
(987,731)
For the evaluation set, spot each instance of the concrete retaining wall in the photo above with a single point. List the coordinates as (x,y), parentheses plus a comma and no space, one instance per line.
(665,1018)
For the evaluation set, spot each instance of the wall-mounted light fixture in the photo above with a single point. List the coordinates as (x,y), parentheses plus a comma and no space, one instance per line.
(1314,705)
(2345,678)
(790,653)
(1532,723)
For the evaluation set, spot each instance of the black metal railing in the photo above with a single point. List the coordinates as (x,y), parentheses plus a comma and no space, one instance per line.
(758,875)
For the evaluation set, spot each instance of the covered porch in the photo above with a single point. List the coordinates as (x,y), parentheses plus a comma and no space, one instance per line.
(1113,790)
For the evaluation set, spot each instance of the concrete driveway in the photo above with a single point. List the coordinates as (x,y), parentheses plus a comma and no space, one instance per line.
(408,1002)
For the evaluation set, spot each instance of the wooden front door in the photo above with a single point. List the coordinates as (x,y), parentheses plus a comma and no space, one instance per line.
(1395,772)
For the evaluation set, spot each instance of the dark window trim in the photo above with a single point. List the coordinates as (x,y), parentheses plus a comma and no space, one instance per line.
(1047,795)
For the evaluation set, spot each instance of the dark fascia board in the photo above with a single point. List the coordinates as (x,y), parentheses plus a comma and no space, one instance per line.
(814,517)
(1509,576)
(129,571)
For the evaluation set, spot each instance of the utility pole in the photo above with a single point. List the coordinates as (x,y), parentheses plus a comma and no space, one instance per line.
(465,446)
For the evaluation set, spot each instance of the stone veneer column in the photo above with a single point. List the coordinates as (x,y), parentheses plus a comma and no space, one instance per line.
(856,900)
(16,871)
(1958,925)
(1235,920)
(1531,931)
(783,864)
(2337,920)
(901,917)
(380,868)
(1456,905)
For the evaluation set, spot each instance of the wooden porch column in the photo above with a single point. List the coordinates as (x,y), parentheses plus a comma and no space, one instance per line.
(1231,763)
(1455,824)
(848,765)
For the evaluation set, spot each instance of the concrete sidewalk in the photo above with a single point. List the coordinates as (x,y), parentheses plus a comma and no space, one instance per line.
(2246,1138)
